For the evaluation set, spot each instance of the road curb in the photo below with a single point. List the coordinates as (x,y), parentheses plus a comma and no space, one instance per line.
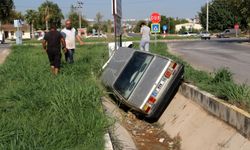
(119,137)
(232,115)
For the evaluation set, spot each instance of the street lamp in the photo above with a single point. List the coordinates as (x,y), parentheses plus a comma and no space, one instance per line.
(207,16)
(80,6)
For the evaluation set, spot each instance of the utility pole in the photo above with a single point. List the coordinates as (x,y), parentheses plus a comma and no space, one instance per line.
(207,15)
(80,6)
(47,17)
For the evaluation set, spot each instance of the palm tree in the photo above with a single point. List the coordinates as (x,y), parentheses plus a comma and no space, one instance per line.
(99,22)
(50,12)
(31,17)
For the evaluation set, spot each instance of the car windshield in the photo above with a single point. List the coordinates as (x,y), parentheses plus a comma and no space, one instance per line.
(132,73)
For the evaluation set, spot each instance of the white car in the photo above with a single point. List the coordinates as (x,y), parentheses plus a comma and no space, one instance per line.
(143,81)
(187,34)
(97,36)
(2,38)
(205,35)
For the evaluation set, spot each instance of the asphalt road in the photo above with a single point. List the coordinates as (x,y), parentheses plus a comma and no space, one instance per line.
(4,46)
(214,54)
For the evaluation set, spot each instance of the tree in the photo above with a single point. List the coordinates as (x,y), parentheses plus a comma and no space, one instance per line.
(98,19)
(49,13)
(31,17)
(225,14)
(137,27)
(180,21)
(109,24)
(6,7)
(183,30)
(74,17)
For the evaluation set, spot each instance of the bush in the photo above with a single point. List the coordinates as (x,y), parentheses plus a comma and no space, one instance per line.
(223,75)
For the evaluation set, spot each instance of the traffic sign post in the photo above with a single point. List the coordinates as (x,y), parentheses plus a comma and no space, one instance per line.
(18,23)
(117,13)
(155,17)
(164,28)
(155,26)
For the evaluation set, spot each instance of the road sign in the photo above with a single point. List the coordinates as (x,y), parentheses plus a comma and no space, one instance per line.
(155,17)
(236,26)
(155,28)
(117,7)
(164,27)
(117,12)
(18,23)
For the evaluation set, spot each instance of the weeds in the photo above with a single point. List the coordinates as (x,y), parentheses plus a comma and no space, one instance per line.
(42,111)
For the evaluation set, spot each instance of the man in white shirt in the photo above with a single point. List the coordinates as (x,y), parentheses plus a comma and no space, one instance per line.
(70,35)
(145,32)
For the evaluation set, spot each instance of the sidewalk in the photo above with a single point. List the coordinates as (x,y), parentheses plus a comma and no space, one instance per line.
(3,54)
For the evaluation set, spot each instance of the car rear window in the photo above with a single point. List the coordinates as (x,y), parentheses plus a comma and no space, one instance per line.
(132,73)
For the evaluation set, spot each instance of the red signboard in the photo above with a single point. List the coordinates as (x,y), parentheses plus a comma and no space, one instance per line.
(236,26)
(155,17)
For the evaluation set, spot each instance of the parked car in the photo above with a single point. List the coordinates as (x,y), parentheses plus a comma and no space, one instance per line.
(205,35)
(97,36)
(2,39)
(187,34)
(228,33)
(143,81)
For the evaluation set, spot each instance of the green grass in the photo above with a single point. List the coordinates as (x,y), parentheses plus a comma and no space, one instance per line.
(174,37)
(220,83)
(111,39)
(41,111)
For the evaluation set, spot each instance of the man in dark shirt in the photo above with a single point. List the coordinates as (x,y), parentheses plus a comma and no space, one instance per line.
(52,45)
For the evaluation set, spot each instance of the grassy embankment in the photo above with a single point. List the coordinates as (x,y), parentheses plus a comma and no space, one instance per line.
(42,111)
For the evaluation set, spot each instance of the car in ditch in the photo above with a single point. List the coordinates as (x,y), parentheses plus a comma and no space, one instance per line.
(143,81)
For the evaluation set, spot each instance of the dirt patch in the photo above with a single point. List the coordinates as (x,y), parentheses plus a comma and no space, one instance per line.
(149,136)
(3,55)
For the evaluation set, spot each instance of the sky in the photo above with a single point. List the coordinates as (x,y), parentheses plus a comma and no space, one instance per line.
(131,9)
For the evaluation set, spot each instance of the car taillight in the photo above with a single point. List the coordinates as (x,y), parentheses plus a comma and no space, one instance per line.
(153,97)
(168,73)
(173,65)
(146,108)
(170,69)
(151,100)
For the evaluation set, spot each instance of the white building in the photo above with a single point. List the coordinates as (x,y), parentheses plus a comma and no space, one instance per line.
(188,26)
(10,31)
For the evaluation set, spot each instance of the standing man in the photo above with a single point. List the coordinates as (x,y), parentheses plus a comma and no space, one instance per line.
(70,35)
(145,32)
(52,45)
